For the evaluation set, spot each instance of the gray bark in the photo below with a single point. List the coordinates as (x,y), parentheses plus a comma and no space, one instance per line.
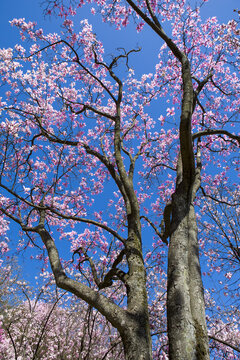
(133,323)
(137,339)
(187,331)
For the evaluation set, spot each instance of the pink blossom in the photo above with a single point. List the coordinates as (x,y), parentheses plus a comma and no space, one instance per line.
(171,111)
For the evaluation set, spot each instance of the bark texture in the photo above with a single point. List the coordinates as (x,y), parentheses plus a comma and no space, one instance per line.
(188,339)
(133,323)
(187,331)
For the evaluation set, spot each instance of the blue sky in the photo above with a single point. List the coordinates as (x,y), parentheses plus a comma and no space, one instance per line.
(150,43)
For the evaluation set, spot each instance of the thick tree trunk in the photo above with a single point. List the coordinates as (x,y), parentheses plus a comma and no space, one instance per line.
(187,330)
(136,337)
(137,341)
(196,289)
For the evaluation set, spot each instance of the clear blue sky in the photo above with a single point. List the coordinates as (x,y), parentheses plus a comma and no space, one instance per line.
(32,10)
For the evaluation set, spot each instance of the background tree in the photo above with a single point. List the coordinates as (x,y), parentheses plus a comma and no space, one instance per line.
(72,125)
(47,324)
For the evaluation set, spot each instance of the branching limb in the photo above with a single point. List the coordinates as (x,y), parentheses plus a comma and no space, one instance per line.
(89,259)
(157,28)
(115,59)
(208,132)
(88,107)
(88,221)
(42,208)
(153,16)
(235,348)
(114,273)
(220,89)
(201,85)
(160,234)
(218,200)
(77,60)
(166,222)
(112,312)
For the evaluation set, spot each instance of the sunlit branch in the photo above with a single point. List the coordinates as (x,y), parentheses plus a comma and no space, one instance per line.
(216,132)
(235,348)
(88,221)
(160,234)
(114,313)
(77,60)
(218,200)
(158,29)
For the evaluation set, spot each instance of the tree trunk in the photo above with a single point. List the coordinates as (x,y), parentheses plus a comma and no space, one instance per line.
(137,341)
(136,338)
(188,339)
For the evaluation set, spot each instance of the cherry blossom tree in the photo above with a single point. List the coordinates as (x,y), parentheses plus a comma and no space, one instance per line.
(47,324)
(79,130)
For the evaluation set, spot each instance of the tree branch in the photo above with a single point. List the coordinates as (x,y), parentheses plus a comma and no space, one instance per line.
(88,221)
(218,200)
(235,348)
(77,60)
(216,132)
(158,30)
(160,234)
(107,308)
(114,271)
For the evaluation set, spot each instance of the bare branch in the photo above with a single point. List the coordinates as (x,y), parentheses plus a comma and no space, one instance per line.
(88,221)
(160,234)
(114,272)
(218,200)
(235,348)
(159,30)
(208,132)
(92,266)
